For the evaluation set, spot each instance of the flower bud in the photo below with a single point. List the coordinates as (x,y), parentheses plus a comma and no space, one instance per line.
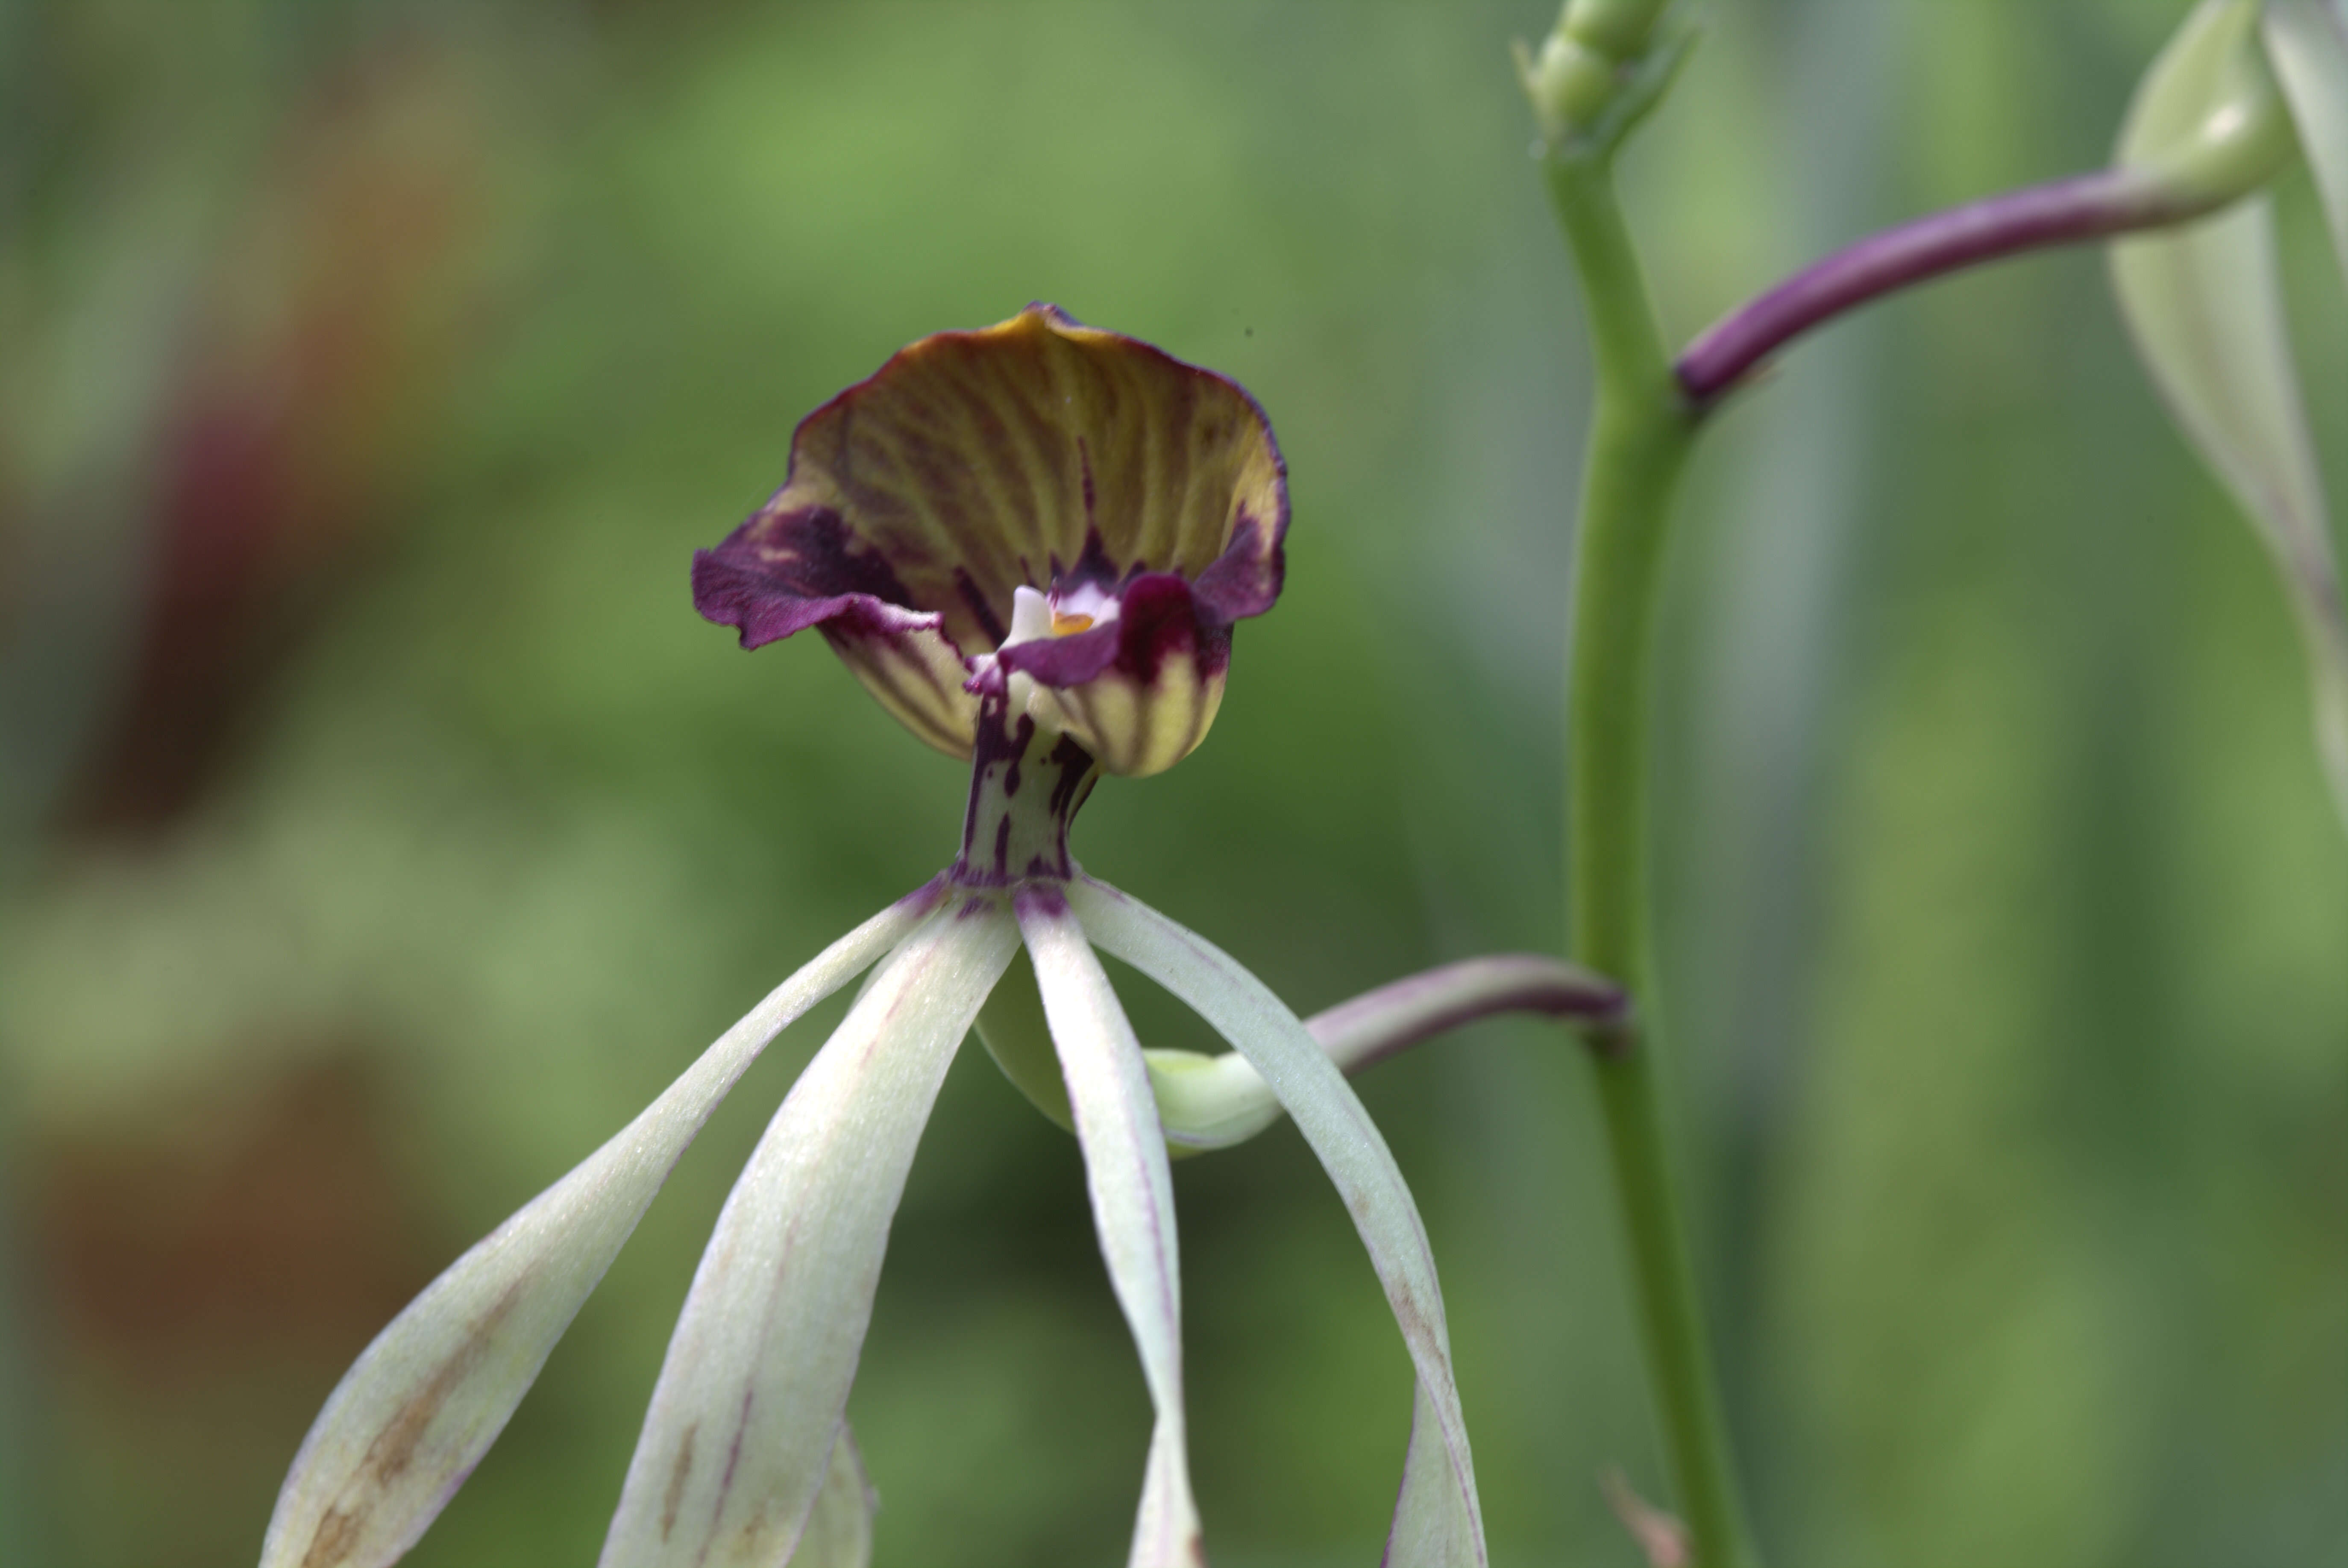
(2207,123)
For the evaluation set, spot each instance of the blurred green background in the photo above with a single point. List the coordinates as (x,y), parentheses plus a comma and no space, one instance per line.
(382,827)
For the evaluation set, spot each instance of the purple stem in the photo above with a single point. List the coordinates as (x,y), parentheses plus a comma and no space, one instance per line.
(1376,1025)
(2060,212)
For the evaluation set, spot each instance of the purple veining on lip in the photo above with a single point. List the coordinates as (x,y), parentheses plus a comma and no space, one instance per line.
(1093,564)
(1160,612)
(1037,454)
(2059,212)
(780,572)
(976,601)
(802,569)
(1245,580)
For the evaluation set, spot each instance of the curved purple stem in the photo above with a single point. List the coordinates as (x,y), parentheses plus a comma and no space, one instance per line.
(2059,212)
(1376,1025)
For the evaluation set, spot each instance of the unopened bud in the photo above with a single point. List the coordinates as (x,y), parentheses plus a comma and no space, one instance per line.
(1601,67)
(1618,29)
(2207,123)
(1568,83)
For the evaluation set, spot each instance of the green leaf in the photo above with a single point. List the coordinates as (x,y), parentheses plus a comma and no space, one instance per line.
(2307,41)
(2205,305)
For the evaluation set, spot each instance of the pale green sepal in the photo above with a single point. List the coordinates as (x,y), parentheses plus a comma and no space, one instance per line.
(2307,40)
(2205,307)
(1132,1196)
(1012,1028)
(1439,1522)
(423,1402)
(838,1532)
(1429,1526)
(738,1440)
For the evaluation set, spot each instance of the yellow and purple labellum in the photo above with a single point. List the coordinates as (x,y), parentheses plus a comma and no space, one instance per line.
(1141,501)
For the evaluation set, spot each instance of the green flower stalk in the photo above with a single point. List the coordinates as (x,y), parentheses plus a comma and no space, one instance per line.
(2210,127)
(1642,430)
(1031,543)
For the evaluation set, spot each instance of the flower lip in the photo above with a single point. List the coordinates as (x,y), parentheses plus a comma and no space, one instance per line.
(1038,454)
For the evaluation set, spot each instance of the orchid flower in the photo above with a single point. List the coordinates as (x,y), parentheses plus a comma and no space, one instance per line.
(1031,543)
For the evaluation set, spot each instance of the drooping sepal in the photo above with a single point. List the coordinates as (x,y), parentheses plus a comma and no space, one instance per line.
(1438,1521)
(1133,1201)
(2307,43)
(740,1444)
(410,1420)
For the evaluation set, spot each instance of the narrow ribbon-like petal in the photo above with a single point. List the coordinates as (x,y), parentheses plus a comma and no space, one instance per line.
(838,1532)
(423,1403)
(2205,305)
(2308,42)
(1133,1202)
(1437,1520)
(749,1403)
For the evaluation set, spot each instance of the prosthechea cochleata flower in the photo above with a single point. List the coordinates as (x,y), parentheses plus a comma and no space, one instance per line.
(1030,543)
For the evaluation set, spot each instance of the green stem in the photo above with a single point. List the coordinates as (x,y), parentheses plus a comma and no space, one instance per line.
(1639,443)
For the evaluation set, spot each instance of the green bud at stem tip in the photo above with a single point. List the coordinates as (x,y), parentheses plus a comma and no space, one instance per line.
(1618,29)
(1567,83)
(1603,66)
